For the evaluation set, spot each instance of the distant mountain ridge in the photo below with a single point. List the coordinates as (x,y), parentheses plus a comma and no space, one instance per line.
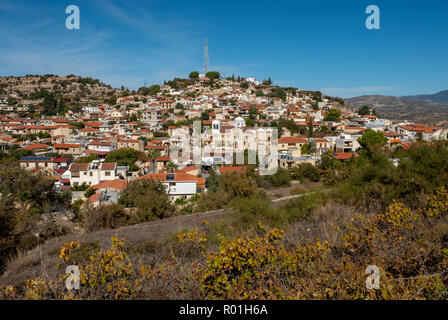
(406,108)
(440,97)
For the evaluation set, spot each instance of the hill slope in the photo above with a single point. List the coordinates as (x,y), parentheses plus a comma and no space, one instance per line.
(395,108)
(440,97)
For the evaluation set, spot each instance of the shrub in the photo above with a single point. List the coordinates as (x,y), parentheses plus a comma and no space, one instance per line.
(150,199)
(281,178)
(306,171)
(108,217)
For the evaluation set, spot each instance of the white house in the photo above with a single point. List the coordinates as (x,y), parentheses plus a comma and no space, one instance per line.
(92,173)
(178,185)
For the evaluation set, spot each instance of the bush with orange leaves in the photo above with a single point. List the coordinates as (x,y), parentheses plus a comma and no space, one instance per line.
(409,247)
(268,267)
(104,274)
(438,204)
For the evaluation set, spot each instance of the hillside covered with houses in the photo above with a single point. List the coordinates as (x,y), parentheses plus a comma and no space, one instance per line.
(81,162)
(95,123)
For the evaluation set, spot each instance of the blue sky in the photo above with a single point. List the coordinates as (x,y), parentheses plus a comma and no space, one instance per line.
(318,45)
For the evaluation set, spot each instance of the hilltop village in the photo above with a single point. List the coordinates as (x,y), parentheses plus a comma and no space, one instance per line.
(94,140)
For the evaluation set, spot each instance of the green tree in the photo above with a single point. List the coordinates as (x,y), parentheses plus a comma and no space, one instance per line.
(150,199)
(237,185)
(333,115)
(194,75)
(326,161)
(310,128)
(259,93)
(364,110)
(89,192)
(212,181)
(281,178)
(171,166)
(123,157)
(278,93)
(372,140)
(154,89)
(307,148)
(306,171)
(213,75)
(17,154)
(43,135)
(205,116)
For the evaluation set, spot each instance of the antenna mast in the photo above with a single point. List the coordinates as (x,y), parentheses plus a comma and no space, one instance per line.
(206,59)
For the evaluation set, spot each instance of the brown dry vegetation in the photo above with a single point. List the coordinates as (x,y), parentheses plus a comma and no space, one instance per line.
(315,246)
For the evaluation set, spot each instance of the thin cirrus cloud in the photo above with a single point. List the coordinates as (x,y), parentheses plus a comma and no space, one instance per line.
(135,46)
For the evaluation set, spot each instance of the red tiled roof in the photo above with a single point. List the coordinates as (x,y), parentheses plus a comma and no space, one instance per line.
(100,143)
(108,165)
(66,145)
(178,176)
(292,140)
(94,197)
(74,167)
(188,169)
(35,146)
(116,184)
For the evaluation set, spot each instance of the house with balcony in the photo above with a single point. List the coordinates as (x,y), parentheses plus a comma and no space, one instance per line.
(152,115)
(93,173)
(346,143)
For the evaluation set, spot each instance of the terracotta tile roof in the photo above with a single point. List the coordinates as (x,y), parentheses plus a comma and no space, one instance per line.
(292,140)
(75,167)
(89,130)
(178,176)
(108,165)
(66,145)
(369,116)
(100,143)
(116,184)
(354,128)
(188,169)
(94,197)
(35,146)
(391,134)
